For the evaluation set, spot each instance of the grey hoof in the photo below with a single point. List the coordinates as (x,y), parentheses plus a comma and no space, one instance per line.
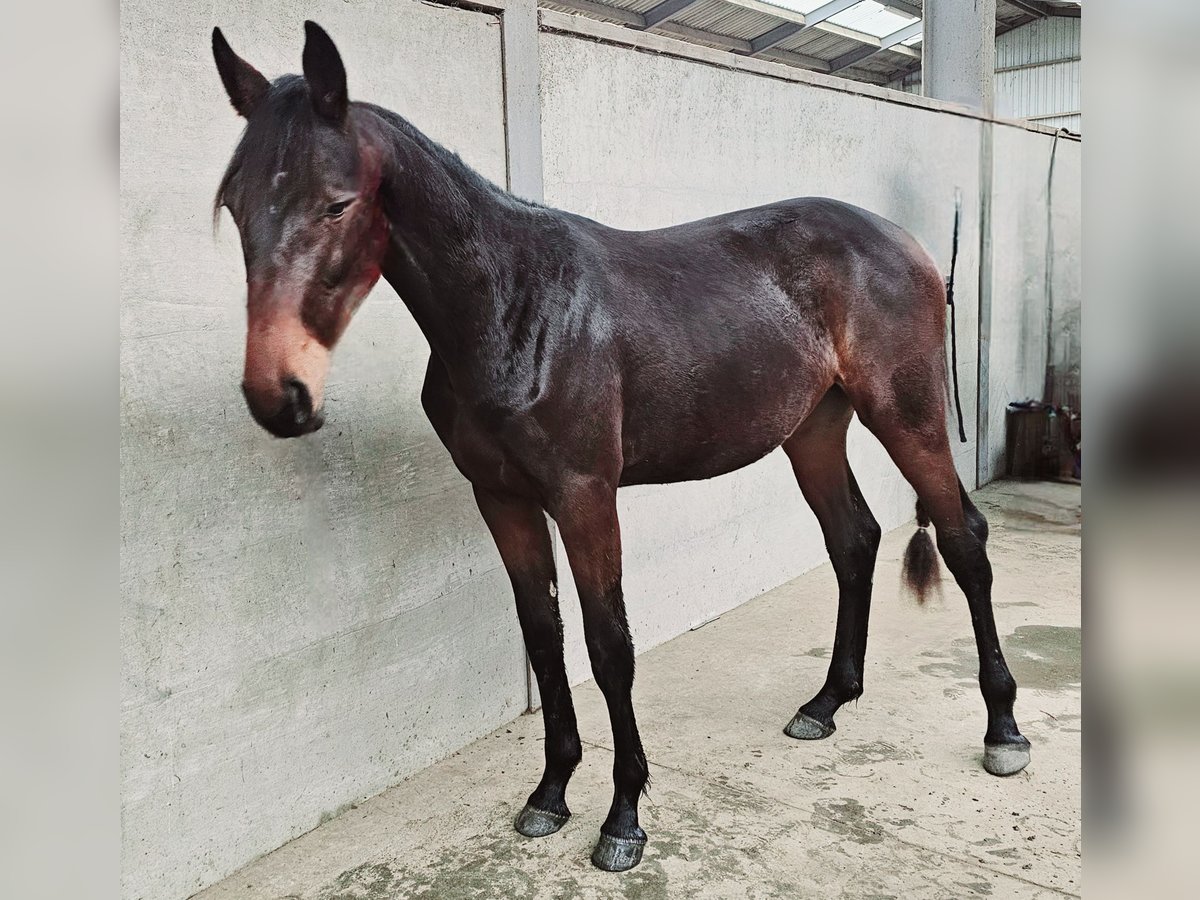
(806,728)
(617,854)
(1005,759)
(533,822)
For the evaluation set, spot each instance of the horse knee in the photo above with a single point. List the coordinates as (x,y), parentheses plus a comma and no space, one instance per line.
(610,650)
(997,685)
(961,547)
(977,523)
(566,748)
(966,557)
(853,555)
(975,520)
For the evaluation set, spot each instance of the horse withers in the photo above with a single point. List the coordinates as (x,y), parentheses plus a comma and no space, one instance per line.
(570,358)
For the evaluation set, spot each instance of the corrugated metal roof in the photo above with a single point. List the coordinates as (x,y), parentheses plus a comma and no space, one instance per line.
(800,6)
(596,13)
(639,6)
(724,18)
(823,45)
(820,44)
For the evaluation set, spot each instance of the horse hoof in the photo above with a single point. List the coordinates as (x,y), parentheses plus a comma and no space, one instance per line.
(617,854)
(806,728)
(533,822)
(1006,759)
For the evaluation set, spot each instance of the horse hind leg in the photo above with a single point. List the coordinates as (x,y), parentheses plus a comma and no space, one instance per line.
(920,569)
(818,454)
(907,414)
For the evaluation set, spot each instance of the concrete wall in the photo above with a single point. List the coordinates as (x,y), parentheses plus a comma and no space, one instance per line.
(666,140)
(1017,356)
(304,622)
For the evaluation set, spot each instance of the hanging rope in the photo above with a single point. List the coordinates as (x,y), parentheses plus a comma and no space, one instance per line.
(1048,386)
(962,433)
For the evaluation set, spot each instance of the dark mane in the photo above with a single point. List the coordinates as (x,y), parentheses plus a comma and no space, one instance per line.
(449,160)
(280,131)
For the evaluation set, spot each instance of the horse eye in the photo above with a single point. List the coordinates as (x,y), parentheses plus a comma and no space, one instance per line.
(335,210)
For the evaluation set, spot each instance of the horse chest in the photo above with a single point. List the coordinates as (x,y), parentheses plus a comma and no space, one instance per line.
(487,439)
(484,452)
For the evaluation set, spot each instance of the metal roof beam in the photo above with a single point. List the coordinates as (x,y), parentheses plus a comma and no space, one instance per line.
(901,74)
(885,43)
(736,45)
(1044,10)
(602,10)
(864,38)
(1029,8)
(792,58)
(769,9)
(903,6)
(665,10)
(776,35)
(781,33)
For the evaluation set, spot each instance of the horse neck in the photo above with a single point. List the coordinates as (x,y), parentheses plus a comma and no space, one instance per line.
(453,245)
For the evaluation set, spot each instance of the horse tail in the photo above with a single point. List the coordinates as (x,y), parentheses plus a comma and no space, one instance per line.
(920,571)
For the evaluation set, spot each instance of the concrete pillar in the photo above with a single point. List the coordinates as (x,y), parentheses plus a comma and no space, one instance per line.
(958,52)
(522,101)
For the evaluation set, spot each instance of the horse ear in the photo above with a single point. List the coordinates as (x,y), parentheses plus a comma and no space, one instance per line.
(245,85)
(325,74)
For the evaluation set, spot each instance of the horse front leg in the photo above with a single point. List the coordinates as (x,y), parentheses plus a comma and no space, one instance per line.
(519,528)
(587,517)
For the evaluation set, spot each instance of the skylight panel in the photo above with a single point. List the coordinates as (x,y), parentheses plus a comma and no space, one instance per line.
(872,18)
(800,6)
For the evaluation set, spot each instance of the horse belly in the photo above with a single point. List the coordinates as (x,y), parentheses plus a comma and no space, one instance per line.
(715,429)
(696,466)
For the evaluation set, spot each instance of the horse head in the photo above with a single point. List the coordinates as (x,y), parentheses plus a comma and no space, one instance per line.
(303,187)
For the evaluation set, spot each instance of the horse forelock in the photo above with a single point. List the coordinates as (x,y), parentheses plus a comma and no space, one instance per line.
(282,129)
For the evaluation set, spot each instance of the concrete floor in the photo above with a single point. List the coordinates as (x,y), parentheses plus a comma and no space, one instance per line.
(895,803)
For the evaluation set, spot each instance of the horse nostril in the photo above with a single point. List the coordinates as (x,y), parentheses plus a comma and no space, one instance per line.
(299,401)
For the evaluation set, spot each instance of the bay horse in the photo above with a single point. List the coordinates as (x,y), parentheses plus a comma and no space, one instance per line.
(569,359)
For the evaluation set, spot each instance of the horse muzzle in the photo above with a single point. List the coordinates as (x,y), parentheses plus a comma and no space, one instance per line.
(290,415)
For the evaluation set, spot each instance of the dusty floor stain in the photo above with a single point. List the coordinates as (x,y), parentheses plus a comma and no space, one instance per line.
(847,817)
(1040,657)
(473,868)
(876,752)
(1028,513)
(1045,657)
(977,887)
(369,881)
